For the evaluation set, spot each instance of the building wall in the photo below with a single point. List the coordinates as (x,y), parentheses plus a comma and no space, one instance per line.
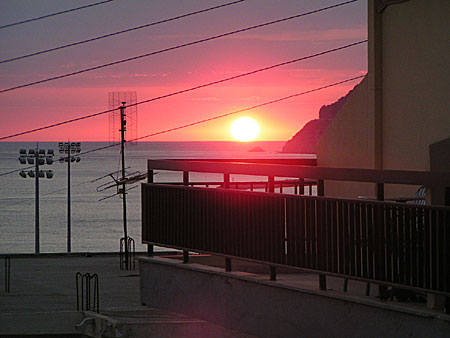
(415,81)
(408,101)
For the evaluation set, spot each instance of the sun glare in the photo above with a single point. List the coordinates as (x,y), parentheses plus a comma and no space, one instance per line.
(244,129)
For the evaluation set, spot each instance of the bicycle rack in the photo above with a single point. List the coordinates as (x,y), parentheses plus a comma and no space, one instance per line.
(7,274)
(131,254)
(89,297)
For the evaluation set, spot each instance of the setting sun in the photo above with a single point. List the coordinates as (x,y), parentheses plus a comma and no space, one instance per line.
(244,129)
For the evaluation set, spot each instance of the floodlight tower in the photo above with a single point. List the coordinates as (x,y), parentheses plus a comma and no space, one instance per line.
(69,148)
(37,157)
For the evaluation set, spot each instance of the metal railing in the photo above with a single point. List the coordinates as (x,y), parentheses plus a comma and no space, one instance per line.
(387,243)
(87,292)
(131,265)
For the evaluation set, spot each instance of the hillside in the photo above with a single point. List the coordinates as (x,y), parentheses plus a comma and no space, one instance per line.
(305,140)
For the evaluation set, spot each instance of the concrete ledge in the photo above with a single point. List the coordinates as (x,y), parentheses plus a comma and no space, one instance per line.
(244,302)
(40,323)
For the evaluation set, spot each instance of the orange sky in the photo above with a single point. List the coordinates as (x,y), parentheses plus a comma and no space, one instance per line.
(59,100)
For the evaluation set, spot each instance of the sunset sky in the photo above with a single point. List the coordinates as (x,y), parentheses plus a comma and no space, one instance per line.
(63,99)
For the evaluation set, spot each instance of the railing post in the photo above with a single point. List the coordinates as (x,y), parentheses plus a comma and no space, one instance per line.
(321,192)
(382,289)
(273,273)
(7,274)
(301,187)
(185,257)
(380,192)
(185,183)
(226,181)
(227,264)
(150,248)
(271,184)
(186,178)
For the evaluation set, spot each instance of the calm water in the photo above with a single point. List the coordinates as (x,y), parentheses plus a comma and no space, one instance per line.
(96,225)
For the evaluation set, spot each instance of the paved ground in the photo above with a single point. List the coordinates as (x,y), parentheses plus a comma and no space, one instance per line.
(46,284)
(43,288)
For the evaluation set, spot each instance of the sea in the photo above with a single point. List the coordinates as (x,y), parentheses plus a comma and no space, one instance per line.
(96,216)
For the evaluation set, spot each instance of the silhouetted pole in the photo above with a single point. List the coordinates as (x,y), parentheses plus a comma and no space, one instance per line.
(69,240)
(125,232)
(36,201)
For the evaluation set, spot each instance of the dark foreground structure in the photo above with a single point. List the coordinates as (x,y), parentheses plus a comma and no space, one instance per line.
(401,248)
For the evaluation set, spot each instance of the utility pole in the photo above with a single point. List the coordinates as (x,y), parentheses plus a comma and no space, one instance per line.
(124,194)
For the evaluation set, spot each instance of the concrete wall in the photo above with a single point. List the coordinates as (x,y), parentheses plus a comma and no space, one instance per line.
(264,309)
(408,101)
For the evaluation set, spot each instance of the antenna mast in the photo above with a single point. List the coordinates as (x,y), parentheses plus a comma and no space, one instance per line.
(123,122)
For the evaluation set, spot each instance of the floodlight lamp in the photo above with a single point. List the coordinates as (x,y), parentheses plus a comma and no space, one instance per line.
(41,173)
(78,159)
(22,151)
(41,161)
(49,160)
(50,152)
(23,174)
(72,159)
(49,174)
(23,160)
(31,173)
(41,151)
(30,160)
(61,160)
(31,152)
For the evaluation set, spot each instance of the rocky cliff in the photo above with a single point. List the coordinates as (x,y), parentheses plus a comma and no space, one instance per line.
(304,142)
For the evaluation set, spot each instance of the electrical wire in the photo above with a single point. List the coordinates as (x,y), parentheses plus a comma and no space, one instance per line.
(55,14)
(187,90)
(213,118)
(227,114)
(173,48)
(246,109)
(118,32)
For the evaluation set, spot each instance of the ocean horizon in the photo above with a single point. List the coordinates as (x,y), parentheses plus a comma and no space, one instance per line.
(96,226)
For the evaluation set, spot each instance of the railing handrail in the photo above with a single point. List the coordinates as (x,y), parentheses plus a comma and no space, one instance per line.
(319,198)
(425,178)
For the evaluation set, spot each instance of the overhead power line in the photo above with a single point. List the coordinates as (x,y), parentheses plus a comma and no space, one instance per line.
(118,32)
(187,90)
(246,109)
(55,14)
(215,117)
(173,48)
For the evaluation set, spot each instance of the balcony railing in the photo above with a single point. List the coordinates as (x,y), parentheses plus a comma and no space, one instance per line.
(396,244)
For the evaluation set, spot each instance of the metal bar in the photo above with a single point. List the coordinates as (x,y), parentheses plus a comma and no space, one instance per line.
(273,273)
(271,180)
(7,274)
(425,178)
(227,264)
(68,200)
(36,202)
(185,256)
